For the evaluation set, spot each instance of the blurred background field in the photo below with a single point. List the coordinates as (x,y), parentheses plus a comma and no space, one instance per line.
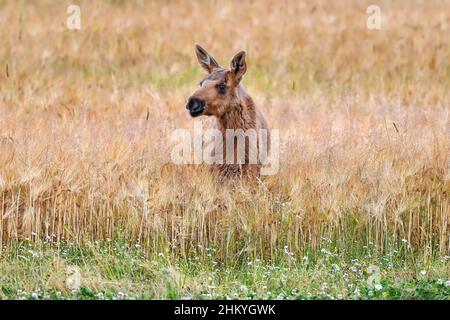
(86,117)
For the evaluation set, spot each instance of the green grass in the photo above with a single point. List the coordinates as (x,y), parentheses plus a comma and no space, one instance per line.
(114,270)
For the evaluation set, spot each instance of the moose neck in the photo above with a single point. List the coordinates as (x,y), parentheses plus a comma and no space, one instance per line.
(240,115)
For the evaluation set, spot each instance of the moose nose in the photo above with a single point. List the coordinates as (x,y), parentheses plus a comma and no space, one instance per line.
(195,106)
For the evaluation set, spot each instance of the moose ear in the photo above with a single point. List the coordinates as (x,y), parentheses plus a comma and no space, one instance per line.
(238,65)
(205,59)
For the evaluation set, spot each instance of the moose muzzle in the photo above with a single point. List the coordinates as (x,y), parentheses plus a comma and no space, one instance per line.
(195,106)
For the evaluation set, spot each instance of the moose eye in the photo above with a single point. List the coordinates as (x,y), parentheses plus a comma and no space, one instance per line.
(221,88)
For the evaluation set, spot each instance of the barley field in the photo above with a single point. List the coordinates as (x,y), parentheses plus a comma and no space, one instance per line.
(359,208)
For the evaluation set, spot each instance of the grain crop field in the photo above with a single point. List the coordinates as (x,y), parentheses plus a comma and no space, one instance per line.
(359,208)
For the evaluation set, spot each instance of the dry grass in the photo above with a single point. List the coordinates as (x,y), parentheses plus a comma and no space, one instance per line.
(85,120)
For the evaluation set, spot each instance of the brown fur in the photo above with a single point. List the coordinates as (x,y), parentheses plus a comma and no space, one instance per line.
(233,109)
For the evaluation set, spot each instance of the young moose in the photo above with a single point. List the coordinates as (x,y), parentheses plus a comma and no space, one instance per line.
(243,127)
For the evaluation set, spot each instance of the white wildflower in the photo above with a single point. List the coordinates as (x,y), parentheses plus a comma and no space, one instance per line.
(73,280)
